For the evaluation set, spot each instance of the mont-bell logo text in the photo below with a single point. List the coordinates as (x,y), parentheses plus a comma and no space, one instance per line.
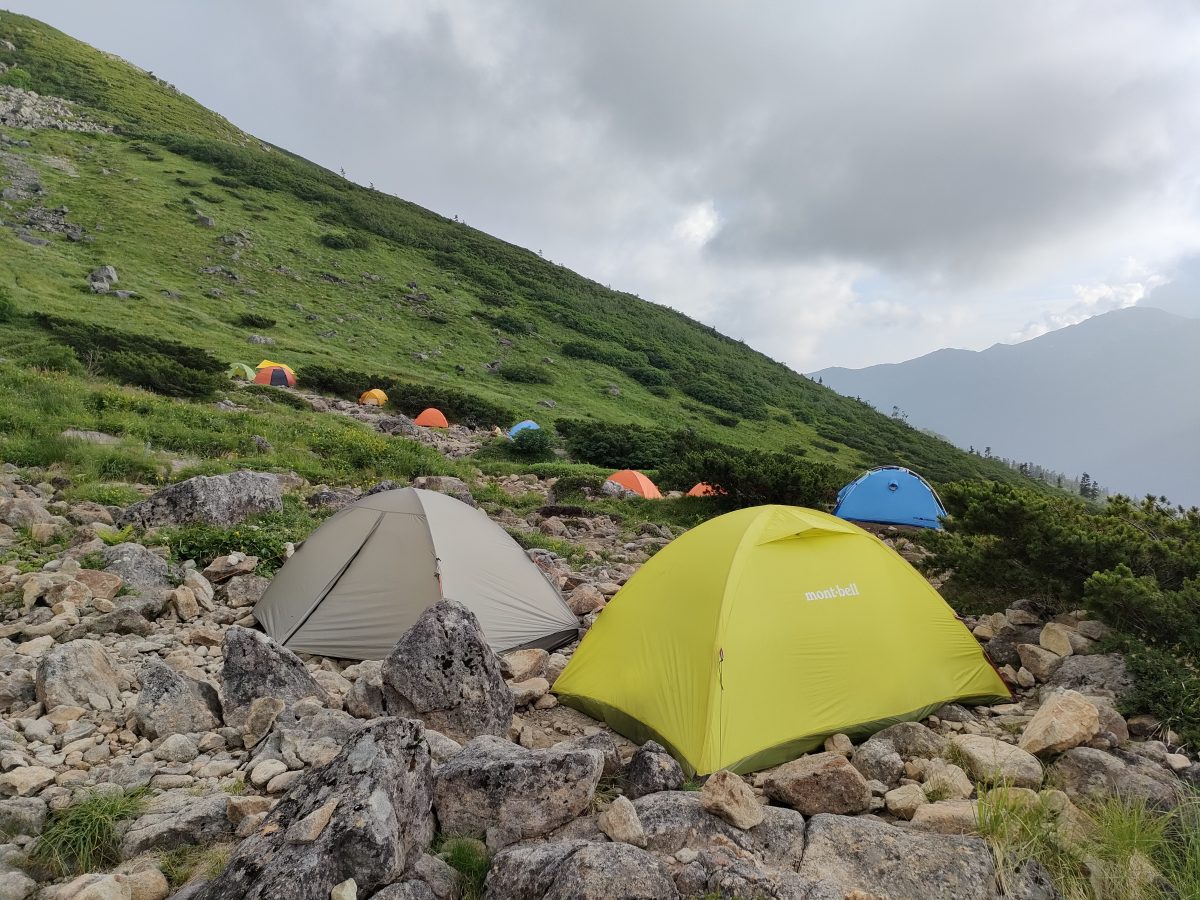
(849,590)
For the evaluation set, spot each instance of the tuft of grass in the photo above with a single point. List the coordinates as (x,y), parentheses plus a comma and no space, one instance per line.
(93,560)
(535,539)
(183,864)
(84,836)
(607,790)
(237,786)
(694,784)
(469,857)
(120,536)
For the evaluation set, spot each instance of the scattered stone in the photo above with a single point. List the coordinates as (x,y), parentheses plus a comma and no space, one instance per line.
(139,568)
(443,672)
(989,760)
(1056,638)
(1065,720)
(177,818)
(948,817)
(620,822)
(79,673)
(578,870)
(652,769)
(728,796)
(1089,774)
(821,782)
(256,666)
(903,801)
(225,568)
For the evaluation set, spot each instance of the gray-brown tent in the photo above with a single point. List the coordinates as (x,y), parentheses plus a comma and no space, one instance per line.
(362,579)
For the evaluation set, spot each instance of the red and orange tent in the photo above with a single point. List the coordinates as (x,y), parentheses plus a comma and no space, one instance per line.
(432,418)
(274,373)
(704,489)
(636,482)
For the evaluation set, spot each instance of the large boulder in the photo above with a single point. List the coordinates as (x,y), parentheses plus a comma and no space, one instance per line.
(307,735)
(256,666)
(1101,673)
(497,788)
(676,820)
(367,815)
(577,870)
(865,857)
(821,782)
(1065,720)
(989,760)
(170,703)
(21,512)
(79,673)
(652,769)
(212,499)
(139,569)
(443,672)
(178,819)
(1086,773)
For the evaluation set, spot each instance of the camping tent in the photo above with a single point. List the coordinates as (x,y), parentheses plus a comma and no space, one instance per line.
(703,489)
(636,482)
(522,426)
(890,495)
(373,397)
(432,418)
(362,579)
(279,376)
(268,364)
(242,371)
(753,637)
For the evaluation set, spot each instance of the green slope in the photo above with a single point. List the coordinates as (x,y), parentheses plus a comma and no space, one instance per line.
(139,194)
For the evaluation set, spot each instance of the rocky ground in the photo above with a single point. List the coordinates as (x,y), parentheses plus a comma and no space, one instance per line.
(323,778)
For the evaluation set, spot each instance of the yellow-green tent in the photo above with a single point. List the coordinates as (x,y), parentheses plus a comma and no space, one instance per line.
(753,637)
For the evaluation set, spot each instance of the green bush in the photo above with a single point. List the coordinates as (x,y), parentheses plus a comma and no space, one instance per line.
(526,373)
(625,446)
(7,307)
(512,324)
(345,241)
(18,78)
(158,373)
(264,536)
(254,320)
(753,478)
(534,444)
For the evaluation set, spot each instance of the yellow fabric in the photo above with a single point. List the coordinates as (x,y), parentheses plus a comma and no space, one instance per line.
(759,588)
(373,397)
(267,364)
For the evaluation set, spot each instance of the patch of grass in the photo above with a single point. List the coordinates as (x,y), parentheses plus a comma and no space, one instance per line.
(236,787)
(182,864)
(607,790)
(933,795)
(84,836)
(955,755)
(264,536)
(693,784)
(120,536)
(470,858)
(93,560)
(536,540)
(104,494)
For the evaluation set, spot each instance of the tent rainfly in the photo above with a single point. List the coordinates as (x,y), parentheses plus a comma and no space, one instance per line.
(278,376)
(891,495)
(522,426)
(432,418)
(373,397)
(364,577)
(753,637)
(636,482)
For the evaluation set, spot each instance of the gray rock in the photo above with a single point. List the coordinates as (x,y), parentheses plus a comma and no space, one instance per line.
(17,689)
(495,787)
(212,499)
(913,740)
(577,870)
(122,620)
(79,673)
(652,769)
(446,484)
(178,819)
(22,815)
(819,783)
(846,854)
(308,735)
(601,741)
(878,760)
(443,672)
(1030,881)
(407,890)
(365,699)
(1100,673)
(1003,647)
(170,703)
(1089,774)
(139,569)
(16,885)
(436,875)
(675,820)
(22,512)
(244,590)
(256,666)
(367,815)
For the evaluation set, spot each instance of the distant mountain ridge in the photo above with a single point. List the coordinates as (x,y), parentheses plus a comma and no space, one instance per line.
(1115,396)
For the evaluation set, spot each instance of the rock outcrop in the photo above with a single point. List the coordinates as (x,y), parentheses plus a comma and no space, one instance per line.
(212,499)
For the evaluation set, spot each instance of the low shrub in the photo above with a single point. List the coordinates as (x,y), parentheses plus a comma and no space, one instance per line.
(254,320)
(525,373)
(7,307)
(534,444)
(341,240)
(84,836)
(264,536)
(753,478)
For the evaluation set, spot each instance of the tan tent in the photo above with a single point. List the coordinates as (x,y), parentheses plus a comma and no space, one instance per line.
(362,579)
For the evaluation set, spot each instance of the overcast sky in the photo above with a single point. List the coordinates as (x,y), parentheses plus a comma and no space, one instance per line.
(837,184)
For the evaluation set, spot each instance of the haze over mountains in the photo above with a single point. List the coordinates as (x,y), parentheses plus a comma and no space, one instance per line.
(1115,396)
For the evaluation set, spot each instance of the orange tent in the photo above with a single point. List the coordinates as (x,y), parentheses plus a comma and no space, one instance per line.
(279,376)
(373,397)
(636,482)
(432,418)
(703,489)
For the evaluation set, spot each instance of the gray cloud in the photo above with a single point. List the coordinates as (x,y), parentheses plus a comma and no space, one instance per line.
(835,184)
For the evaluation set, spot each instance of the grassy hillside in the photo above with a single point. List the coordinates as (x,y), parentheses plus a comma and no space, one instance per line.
(357,279)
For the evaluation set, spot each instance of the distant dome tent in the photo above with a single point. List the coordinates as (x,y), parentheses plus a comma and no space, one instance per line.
(703,489)
(527,425)
(276,374)
(890,495)
(373,397)
(431,418)
(364,577)
(242,371)
(636,482)
(753,637)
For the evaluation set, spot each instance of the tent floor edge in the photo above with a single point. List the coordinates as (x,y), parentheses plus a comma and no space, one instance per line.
(549,643)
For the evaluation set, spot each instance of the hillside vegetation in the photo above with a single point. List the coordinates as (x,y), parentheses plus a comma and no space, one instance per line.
(221,238)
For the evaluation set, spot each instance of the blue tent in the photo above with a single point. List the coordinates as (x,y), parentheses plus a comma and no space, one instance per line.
(521,426)
(890,495)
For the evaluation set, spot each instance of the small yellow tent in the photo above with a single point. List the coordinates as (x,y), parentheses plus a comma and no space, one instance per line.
(373,397)
(753,637)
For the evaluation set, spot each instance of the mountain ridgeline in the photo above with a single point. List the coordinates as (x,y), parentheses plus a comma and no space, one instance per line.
(228,245)
(1112,396)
